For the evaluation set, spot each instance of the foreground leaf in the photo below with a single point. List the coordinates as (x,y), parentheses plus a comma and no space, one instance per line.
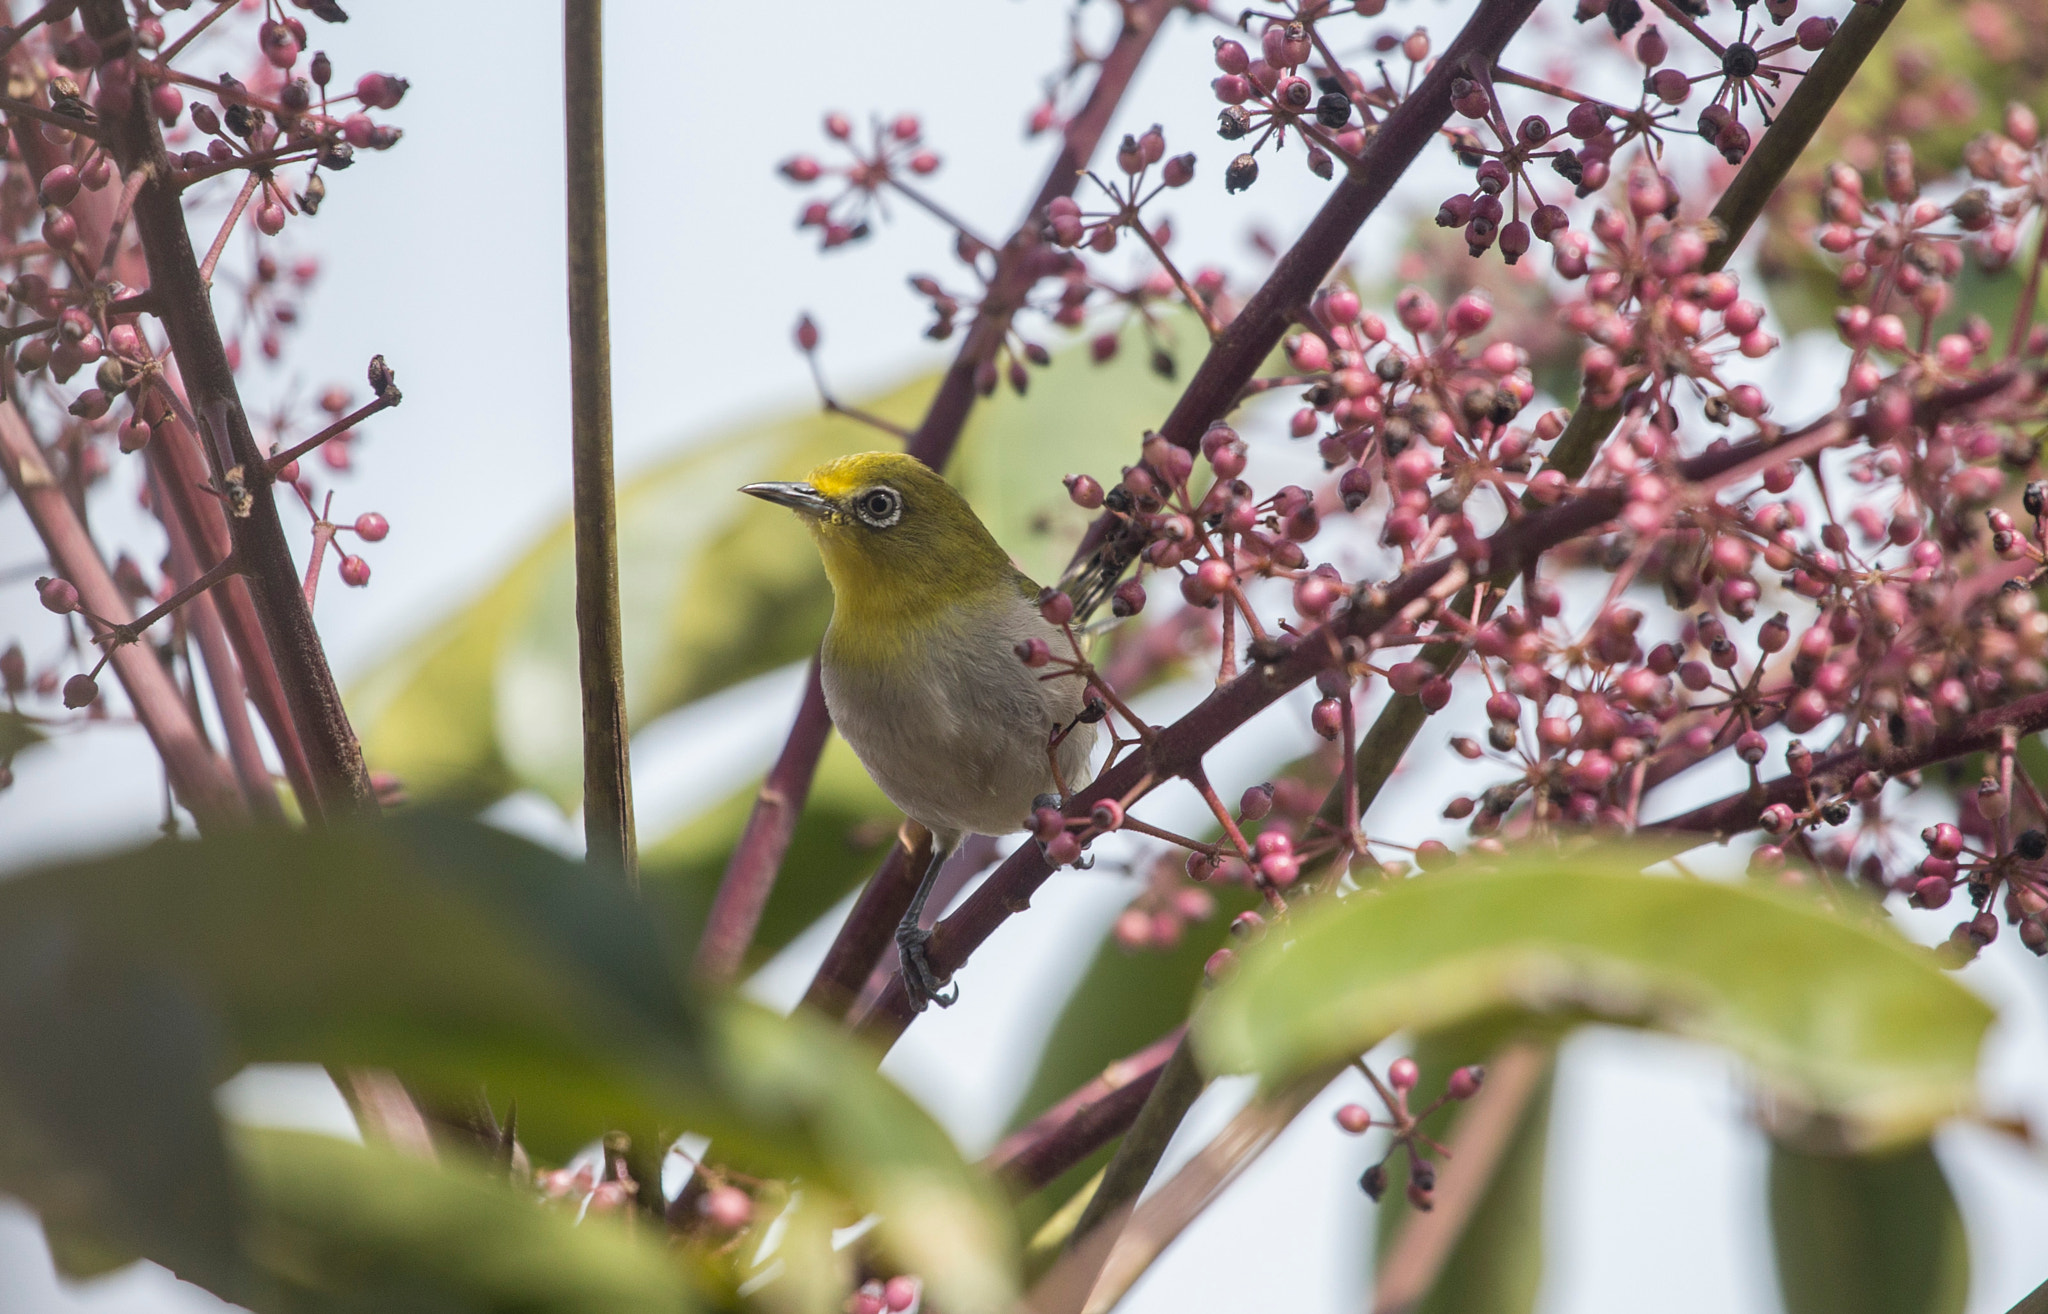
(1876,1234)
(469,962)
(1839,1018)
(343,1228)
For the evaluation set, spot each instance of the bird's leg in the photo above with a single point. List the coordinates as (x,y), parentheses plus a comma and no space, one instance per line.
(923,984)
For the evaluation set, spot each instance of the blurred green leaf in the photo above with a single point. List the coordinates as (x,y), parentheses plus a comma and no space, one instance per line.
(1496,1267)
(16,733)
(107,1125)
(717,587)
(1875,1234)
(845,830)
(469,962)
(339,1228)
(1841,1018)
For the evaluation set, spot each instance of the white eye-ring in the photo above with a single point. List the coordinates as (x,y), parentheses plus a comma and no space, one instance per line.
(880,506)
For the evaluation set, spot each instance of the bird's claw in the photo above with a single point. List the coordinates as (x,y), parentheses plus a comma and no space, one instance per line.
(922,982)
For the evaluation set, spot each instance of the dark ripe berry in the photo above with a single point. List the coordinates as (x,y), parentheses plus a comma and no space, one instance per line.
(1623,15)
(1128,600)
(1739,60)
(1422,1177)
(2035,497)
(321,69)
(1374,1182)
(80,691)
(1233,123)
(1242,173)
(1834,812)
(2032,845)
(242,119)
(1333,110)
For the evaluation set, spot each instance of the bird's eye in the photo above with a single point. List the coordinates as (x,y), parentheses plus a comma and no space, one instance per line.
(880,507)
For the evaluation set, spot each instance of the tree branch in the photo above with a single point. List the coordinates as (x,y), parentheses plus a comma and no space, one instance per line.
(607,768)
(198,778)
(339,779)
(1034,1156)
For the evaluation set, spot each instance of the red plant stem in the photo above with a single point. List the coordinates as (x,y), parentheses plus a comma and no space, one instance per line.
(757,858)
(198,778)
(856,949)
(227,227)
(339,778)
(1980,733)
(750,874)
(223,672)
(1177,750)
(340,426)
(1037,1154)
(180,470)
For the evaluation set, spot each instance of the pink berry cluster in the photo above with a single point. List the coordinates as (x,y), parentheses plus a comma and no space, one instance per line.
(1408,1138)
(894,151)
(76,277)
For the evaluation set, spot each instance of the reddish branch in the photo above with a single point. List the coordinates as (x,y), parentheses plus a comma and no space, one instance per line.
(198,778)
(1832,774)
(1177,750)
(1036,1155)
(340,783)
(756,860)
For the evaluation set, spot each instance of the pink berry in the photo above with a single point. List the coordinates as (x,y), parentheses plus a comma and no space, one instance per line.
(1464,1083)
(726,1208)
(1402,1074)
(381,90)
(899,1293)
(1354,1118)
(355,572)
(371,527)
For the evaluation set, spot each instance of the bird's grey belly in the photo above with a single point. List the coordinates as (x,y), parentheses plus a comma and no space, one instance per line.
(960,742)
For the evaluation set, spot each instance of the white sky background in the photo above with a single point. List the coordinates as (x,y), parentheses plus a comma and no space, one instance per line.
(446,256)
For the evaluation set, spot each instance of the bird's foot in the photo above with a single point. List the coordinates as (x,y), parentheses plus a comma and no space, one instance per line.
(1047,801)
(919,978)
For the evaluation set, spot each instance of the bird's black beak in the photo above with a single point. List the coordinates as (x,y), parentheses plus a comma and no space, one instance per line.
(800,498)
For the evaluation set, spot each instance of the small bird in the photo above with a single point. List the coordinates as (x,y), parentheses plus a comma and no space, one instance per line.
(921,665)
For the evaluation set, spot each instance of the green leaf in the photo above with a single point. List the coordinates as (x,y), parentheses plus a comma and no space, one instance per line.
(344,1229)
(717,587)
(469,962)
(1496,1267)
(1876,1234)
(17,732)
(845,830)
(1838,1017)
